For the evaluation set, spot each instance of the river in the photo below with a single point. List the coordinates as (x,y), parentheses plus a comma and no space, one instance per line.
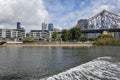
(59,63)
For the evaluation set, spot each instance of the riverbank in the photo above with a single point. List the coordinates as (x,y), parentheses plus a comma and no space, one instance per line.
(52,44)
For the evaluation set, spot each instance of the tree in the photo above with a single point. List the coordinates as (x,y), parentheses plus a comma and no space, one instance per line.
(83,38)
(75,33)
(55,35)
(65,35)
(69,35)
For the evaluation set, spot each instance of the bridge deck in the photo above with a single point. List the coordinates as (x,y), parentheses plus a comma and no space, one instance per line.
(100,30)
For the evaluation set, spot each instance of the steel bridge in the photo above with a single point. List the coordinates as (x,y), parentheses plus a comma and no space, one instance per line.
(104,21)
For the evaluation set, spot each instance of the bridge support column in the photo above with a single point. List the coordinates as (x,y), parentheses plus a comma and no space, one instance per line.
(105,32)
(112,33)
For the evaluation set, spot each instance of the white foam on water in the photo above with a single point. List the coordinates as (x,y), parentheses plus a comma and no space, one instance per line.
(100,68)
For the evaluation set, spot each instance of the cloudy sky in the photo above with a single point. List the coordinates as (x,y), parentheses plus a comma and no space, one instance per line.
(62,13)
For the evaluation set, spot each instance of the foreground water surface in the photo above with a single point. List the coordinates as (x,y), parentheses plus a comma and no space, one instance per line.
(59,63)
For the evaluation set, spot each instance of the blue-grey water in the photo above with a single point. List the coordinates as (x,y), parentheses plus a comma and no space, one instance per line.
(59,63)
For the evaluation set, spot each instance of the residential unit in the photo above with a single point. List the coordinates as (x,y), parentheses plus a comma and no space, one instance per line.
(11,34)
(40,33)
(19,33)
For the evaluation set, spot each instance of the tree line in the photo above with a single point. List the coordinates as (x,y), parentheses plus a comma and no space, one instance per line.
(73,34)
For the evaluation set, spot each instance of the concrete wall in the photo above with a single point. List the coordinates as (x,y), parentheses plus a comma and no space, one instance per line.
(53,44)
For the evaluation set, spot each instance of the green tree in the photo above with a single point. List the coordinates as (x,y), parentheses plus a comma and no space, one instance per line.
(55,35)
(83,38)
(65,35)
(70,35)
(75,33)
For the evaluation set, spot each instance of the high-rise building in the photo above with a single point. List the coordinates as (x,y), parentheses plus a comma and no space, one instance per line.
(50,27)
(18,25)
(44,26)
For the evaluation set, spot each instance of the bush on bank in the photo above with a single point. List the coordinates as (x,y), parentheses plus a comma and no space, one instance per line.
(29,38)
(107,40)
(104,36)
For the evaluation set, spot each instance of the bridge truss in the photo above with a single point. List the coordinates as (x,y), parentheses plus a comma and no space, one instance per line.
(104,20)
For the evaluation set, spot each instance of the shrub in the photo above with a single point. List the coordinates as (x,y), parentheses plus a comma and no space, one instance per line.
(29,38)
(108,41)
(105,36)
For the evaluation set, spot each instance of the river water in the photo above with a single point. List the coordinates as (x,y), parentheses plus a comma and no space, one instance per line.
(59,63)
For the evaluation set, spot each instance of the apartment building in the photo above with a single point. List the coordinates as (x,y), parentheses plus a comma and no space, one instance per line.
(11,34)
(40,33)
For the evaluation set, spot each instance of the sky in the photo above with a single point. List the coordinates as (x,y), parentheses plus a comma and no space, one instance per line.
(64,14)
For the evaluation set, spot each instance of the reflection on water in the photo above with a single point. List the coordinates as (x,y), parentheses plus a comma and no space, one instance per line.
(25,63)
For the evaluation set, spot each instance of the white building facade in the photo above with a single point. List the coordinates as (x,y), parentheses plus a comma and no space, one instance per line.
(40,33)
(11,34)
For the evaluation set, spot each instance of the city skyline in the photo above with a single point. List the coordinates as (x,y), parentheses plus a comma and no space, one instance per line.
(62,13)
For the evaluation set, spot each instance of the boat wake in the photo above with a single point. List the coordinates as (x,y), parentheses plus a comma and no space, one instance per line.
(103,68)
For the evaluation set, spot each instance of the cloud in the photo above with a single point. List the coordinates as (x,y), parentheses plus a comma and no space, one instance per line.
(1,27)
(62,13)
(91,8)
(110,5)
(59,6)
(104,7)
(30,13)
